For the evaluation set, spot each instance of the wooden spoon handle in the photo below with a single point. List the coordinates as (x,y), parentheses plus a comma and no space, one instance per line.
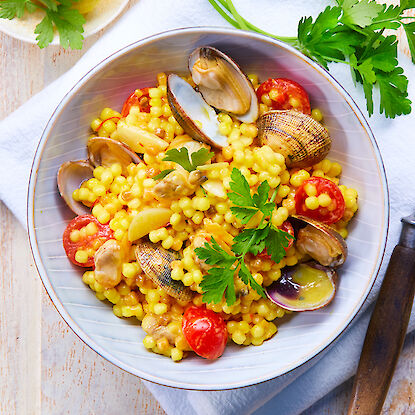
(385,334)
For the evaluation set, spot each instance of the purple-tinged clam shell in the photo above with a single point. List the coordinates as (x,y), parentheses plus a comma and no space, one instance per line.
(304,287)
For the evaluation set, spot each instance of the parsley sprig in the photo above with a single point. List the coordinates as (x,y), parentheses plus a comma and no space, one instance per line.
(352,32)
(219,280)
(58,14)
(182,158)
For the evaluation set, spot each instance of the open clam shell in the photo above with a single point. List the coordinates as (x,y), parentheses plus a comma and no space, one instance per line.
(304,287)
(70,177)
(156,261)
(103,151)
(194,115)
(302,140)
(223,84)
(319,241)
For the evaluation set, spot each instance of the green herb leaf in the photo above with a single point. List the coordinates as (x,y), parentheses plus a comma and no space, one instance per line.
(360,12)
(410,35)
(275,243)
(220,279)
(44,30)
(393,93)
(245,275)
(200,157)
(9,9)
(253,238)
(162,174)
(181,157)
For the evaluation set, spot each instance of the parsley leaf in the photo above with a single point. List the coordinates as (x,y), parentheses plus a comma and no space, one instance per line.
(359,12)
(275,243)
(254,238)
(410,35)
(44,30)
(162,174)
(247,205)
(9,9)
(181,157)
(219,280)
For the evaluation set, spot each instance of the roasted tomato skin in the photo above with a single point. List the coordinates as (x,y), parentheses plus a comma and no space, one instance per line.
(104,233)
(321,214)
(133,99)
(286,227)
(288,92)
(205,331)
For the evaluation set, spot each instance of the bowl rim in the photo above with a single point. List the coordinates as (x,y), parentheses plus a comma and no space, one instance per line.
(31,39)
(323,347)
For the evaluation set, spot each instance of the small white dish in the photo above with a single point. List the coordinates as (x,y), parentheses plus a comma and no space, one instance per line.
(102,15)
(120,340)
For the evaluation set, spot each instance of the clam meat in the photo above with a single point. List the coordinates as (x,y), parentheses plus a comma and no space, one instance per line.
(302,140)
(304,287)
(108,262)
(319,241)
(223,84)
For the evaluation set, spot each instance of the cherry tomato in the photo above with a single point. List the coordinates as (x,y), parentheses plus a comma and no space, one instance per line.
(330,214)
(286,227)
(91,242)
(133,99)
(286,95)
(205,331)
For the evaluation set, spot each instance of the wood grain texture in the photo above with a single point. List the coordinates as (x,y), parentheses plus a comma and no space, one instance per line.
(44,368)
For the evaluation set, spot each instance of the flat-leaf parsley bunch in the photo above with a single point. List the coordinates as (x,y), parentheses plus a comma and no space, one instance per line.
(58,14)
(352,32)
(219,280)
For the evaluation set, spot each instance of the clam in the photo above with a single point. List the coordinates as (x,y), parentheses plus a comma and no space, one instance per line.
(194,115)
(108,262)
(319,241)
(223,84)
(71,175)
(103,151)
(302,140)
(304,287)
(156,261)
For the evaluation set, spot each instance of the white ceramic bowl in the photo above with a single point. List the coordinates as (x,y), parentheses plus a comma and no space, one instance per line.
(97,19)
(120,340)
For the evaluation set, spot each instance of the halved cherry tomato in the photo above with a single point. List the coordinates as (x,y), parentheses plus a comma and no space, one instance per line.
(286,227)
(287,94)
(133,99)
(330,214)
(205,331)
(88,242)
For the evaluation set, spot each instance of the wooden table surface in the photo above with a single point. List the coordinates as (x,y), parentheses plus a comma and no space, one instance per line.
(44,367)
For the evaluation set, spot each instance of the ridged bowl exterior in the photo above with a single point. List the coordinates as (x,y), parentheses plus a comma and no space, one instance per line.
(120,340)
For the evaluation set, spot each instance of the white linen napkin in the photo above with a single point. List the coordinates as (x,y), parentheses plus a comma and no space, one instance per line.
(294,392)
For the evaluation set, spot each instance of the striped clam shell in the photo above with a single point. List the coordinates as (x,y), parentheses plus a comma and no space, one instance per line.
(302,140)
(155,262)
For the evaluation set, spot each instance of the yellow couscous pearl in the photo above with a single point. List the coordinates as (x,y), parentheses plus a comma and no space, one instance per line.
(81,256)
(160,308)
(311,202)
(317,114)
(149,342)
(324,200)
(91,228)
(176,354)
(75,236)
